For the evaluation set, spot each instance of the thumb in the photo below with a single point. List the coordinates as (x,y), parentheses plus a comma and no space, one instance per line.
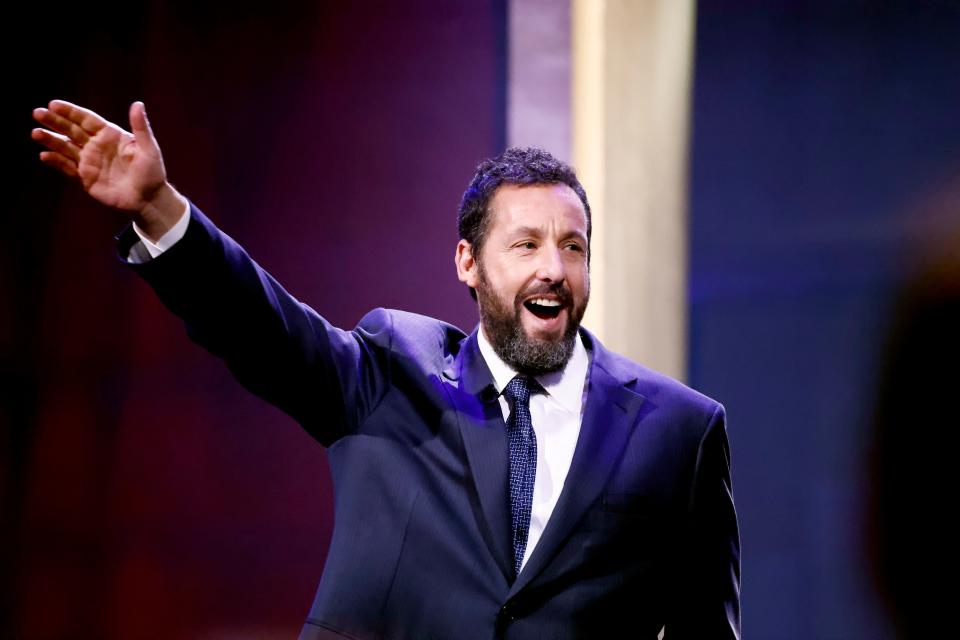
(139,123)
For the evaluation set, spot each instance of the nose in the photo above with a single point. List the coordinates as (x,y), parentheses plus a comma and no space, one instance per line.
(550,267)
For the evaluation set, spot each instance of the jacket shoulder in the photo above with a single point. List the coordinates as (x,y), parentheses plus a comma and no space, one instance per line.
(429,342)
(662,390)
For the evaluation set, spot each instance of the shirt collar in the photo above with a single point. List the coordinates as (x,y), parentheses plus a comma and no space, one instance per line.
(564,386)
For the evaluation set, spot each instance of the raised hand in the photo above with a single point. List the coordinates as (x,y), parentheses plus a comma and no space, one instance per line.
(122,170)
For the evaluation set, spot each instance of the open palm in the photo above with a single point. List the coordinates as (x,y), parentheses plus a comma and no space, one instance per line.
(120,169)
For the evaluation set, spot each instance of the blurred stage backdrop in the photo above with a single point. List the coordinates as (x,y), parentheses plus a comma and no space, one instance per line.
(809,147)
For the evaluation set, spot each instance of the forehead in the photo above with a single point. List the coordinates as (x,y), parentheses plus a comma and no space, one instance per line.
(536,205)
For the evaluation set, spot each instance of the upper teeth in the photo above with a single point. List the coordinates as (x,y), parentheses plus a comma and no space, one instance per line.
(543,302)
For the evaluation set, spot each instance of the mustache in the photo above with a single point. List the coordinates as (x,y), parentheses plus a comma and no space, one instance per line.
(559,289)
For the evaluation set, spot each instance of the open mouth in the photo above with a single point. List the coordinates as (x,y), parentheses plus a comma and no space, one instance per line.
(543,307)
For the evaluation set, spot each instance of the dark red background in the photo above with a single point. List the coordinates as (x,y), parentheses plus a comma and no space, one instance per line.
(145,494)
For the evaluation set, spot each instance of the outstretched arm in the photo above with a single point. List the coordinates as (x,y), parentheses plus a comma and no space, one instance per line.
(277,347)
(121,169)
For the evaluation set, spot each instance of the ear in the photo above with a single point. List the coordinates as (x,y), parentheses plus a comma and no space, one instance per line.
(466,264)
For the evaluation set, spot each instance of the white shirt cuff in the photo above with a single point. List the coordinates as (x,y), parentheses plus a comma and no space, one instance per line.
(146,249)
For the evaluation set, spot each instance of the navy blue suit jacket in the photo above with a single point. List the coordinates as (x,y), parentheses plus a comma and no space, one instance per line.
(644,534)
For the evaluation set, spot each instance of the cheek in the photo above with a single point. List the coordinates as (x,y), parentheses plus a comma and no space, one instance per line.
(513,277)
(580,280)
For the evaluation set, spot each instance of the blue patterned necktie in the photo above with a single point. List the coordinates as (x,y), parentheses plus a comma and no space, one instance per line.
(523,461)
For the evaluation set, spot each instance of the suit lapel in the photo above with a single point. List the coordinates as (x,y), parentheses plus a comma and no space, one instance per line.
(482,429)
(608,421)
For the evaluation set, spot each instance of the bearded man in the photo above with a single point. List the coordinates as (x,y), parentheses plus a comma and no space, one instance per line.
(521,481)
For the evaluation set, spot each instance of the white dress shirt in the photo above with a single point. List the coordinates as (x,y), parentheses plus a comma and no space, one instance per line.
(146,250)
(556,414)
(556,417)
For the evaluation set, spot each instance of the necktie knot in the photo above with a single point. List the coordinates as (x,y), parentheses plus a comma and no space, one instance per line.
(519,389)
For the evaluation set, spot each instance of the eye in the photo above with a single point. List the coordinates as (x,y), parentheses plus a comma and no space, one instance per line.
(527,244)
(573,246)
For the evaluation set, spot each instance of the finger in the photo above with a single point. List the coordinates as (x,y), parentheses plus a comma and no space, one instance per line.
(59,162)
(57,142)
(60,124)
(139,123)
(88,120)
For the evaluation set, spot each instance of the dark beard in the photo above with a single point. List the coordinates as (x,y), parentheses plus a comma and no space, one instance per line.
(504,330)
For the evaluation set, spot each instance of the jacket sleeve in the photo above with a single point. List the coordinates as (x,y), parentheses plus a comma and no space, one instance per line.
(707,587)
(277,347)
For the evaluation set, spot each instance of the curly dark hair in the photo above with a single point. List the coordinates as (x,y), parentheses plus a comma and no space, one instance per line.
(516,165)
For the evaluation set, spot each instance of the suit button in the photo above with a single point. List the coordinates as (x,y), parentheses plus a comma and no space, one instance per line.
(508,612)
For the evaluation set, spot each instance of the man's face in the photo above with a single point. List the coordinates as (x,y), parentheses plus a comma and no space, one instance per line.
(531,276)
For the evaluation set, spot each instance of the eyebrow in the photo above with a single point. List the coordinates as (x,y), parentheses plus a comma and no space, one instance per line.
(526,231)
(536,232)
